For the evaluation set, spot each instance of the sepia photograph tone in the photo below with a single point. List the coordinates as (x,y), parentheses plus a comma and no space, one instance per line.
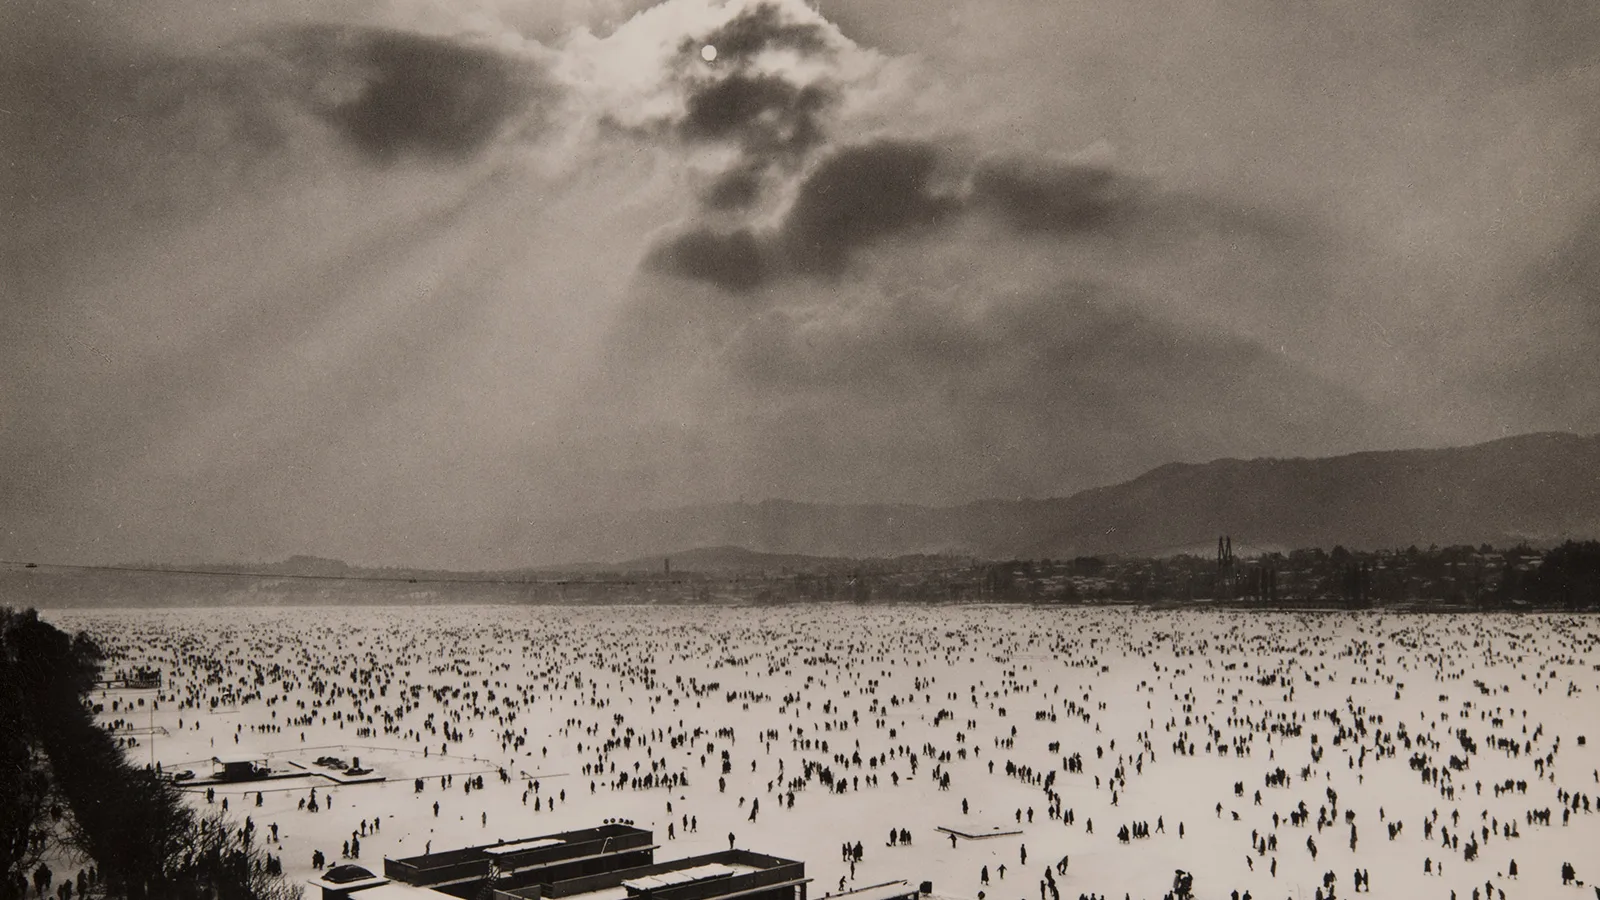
(631,449)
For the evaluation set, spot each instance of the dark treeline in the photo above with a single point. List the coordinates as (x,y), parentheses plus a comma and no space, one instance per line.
(69,792)
(1456,577)
(1566,577)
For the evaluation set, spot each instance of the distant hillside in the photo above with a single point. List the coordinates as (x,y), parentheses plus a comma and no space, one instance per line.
(1537,487)
(1540,488)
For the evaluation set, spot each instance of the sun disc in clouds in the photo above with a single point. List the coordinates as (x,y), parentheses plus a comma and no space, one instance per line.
(708,53)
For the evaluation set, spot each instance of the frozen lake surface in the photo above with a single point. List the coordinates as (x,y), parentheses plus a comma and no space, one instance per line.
(1361,713)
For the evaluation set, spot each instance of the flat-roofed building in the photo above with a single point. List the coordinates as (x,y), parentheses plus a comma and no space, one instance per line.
(347,882)
(240,768)
(551,857)
(723,875)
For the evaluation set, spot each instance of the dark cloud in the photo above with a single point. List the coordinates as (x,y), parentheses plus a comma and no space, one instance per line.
(755,30)
(865,192)
(734,189)
(732,260)
(766,114)
(1064,198)
(427,96)
(858,194)
(868,191)
(137,133)
(774,115)
(1060,197)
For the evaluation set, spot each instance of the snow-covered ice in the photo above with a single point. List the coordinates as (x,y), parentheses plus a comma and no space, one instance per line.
(576,706)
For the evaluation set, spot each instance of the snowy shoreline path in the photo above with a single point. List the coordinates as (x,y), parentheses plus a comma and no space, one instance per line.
(1080,712)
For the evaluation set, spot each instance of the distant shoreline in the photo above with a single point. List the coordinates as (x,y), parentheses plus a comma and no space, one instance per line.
(1422,608)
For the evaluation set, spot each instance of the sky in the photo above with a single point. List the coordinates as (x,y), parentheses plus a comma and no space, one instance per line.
(387,280)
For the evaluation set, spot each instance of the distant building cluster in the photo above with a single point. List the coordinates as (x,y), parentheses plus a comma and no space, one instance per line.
(1461,576)
(1456,576)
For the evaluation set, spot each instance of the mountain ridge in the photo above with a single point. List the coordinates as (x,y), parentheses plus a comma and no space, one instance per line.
(1538,487)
